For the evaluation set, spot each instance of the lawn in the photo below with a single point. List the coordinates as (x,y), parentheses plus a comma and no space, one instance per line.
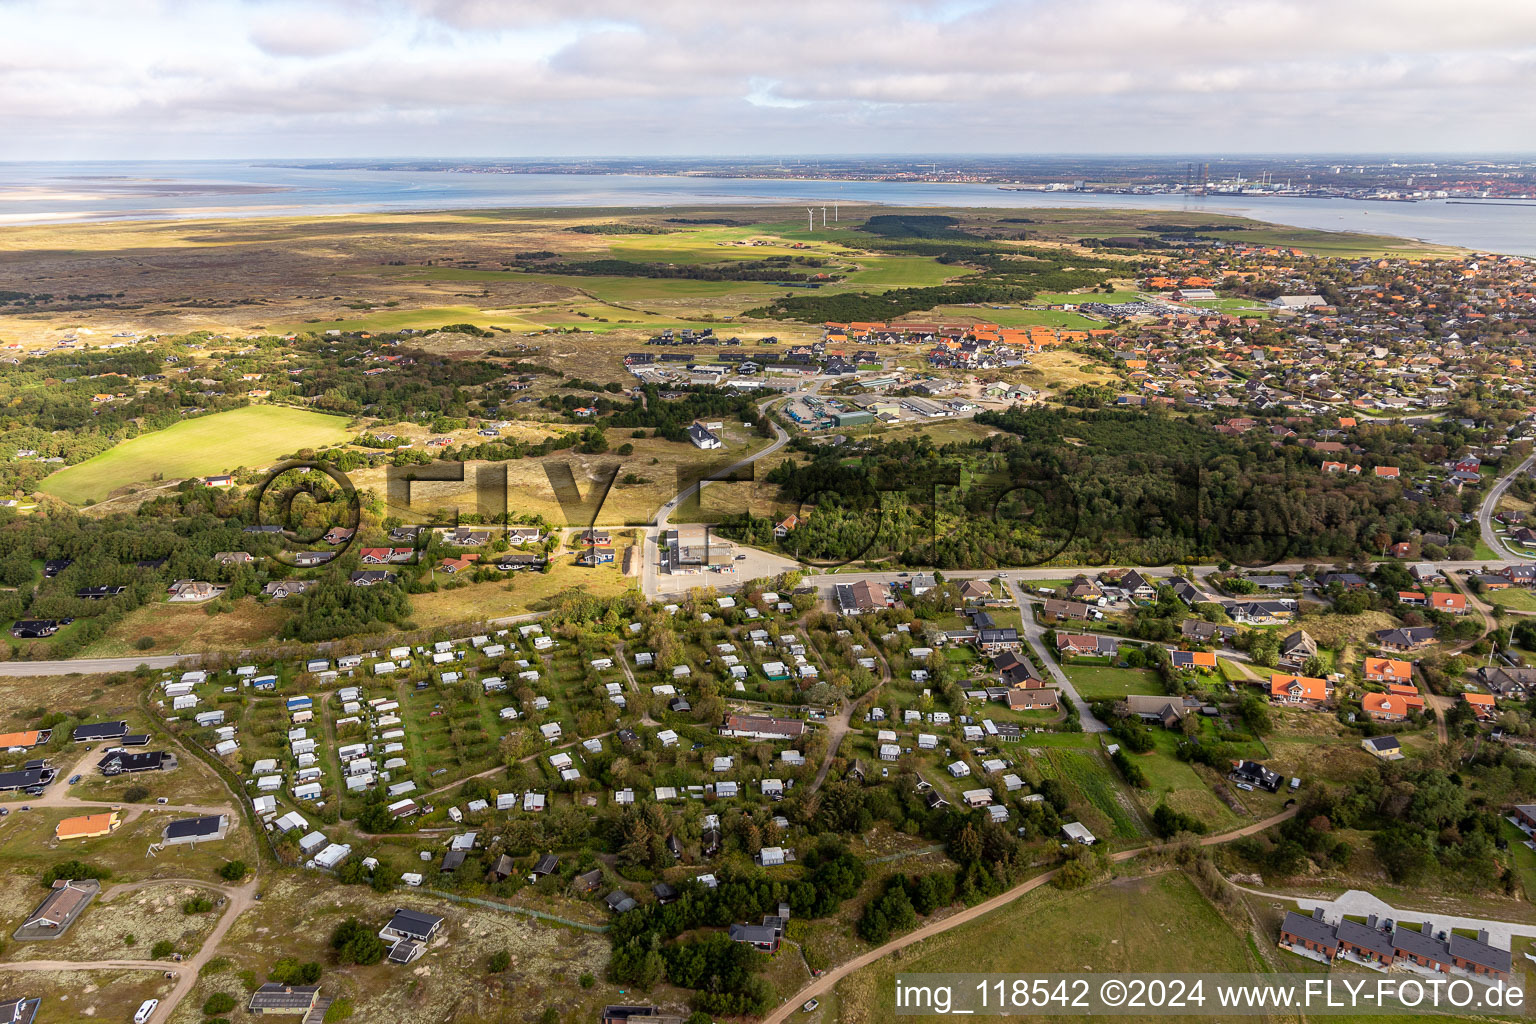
(1096,682)
(1155,924)
(1180,785)
(1515,597)
(251,437)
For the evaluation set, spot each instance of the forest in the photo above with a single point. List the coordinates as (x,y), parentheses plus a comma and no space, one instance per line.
(1087,487)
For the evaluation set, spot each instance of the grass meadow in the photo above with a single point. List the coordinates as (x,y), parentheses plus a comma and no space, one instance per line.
(250,437)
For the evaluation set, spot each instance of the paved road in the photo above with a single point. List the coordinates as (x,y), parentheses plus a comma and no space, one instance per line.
(1034,634)
(821,986)
(91,666)
(1491,505)
(824,582)
(650,572)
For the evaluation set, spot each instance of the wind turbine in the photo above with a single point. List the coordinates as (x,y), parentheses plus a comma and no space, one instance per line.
(810,218)
(823,217)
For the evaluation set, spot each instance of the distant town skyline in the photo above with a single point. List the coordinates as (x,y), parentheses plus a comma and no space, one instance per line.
(475,78)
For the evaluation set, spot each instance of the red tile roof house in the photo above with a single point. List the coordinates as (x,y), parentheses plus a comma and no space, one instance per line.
(1299,690)
(1387,472)
(1384,707)
(1456,604)
(1387,670)
(384,556)
(1070,644)
(1483,705)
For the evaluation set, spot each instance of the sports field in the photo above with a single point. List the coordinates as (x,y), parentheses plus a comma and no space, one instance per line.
(251,437)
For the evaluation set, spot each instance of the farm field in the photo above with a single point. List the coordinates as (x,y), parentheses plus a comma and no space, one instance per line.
(251,437)
(1048,931)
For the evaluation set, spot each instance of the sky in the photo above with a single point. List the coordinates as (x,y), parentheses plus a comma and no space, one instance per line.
(525,78)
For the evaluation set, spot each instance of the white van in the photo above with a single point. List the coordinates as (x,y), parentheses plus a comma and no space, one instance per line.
(146,1010)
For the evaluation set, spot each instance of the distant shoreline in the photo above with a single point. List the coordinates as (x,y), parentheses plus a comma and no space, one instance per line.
(169,191)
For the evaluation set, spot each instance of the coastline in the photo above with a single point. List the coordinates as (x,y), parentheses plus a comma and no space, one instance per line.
(247,191)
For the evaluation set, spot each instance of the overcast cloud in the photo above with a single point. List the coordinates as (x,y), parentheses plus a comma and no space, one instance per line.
(221,78)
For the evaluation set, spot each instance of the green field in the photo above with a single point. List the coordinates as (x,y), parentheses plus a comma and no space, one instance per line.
(254,436)
(1100,682)
(1515,597)
(1161,923)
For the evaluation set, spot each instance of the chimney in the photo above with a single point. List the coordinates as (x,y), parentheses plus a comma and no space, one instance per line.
(1429,928)
(1482,936)
(1370,922)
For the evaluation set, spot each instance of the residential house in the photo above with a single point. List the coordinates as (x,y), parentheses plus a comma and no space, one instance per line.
(1387,748)
(1388,670)
(1304,691)
(1297,649)
(1482,704)
(1406,638)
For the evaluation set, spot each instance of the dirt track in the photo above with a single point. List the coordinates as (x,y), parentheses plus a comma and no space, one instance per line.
(824,984)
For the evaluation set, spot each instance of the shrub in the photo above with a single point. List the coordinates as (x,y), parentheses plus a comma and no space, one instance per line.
(233,871)
(500,961)
(197,905)
(354,943)
(72,870)
(289,971)
(341,1009)
(219,1002)
(162,949)
(144,643)
(135,794)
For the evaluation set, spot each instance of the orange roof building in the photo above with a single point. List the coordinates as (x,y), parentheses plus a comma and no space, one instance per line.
(87,826)
(1385,707)
(1482,703)
(19,739)
(1456,604)
(1387,670)
(1410,694)
(1298,689)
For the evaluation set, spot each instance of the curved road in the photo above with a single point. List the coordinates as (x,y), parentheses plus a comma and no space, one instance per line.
(822,985)
(240,899)
(1490,506)
(651,550)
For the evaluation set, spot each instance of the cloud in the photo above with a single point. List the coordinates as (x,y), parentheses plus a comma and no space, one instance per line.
(308,32)
(541,77)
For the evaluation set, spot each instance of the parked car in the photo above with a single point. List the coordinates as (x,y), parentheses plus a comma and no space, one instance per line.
(74,779)
(811,1005)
